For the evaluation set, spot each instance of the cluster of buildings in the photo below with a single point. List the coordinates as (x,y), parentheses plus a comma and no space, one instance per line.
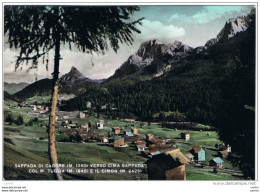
(35,108)
(118,137)
(166,161)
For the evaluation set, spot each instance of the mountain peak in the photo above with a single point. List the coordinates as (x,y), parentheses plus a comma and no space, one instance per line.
(231,28)
(74,70)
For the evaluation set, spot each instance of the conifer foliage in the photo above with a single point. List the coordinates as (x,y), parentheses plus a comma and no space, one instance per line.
(35,30)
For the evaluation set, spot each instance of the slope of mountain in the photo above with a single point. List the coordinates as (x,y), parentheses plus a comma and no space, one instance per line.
(193,85)
(75,82)
(72,82)
(153,58)
(13,88)
(39,88)
(8,96)
(231,28)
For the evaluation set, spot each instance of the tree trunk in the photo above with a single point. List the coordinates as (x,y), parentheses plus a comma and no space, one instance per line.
(52,138)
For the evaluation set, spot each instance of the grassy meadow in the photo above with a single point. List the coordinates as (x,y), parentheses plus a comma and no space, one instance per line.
(28,144)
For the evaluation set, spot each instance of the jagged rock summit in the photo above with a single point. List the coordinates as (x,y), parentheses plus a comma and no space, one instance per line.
(154,57)
(231,28)
(74,76)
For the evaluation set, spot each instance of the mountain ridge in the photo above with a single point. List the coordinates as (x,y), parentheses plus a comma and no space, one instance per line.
(155,57)
(71,82)
(13,88)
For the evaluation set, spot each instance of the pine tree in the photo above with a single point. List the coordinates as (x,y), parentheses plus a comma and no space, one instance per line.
(19,120)
(35,30)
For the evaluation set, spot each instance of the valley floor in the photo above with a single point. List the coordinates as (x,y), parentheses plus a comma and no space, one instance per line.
(28,145)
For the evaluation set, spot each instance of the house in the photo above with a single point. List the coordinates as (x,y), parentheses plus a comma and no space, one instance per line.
(128,133)
(72,126)
(228,148)
(170,165)
(117,130)
(134,131)
(223,153)
(65,123)
(141,147)
(34,108)
(185,135)
(100,125)
(198,153)
(138,142)
(166,139)
(216,162)
(65,117)
(190,156)
(88,105)
(151,140)
(118,142)
(101,121)
(149,137)
(223,146)
(156,150)
(155,142)
(105,140)
(82,115)
(84,127)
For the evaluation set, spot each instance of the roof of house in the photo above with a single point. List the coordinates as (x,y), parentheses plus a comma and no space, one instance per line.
(140,145)
(116,137)
(185,133)
(177,155)
(196,149)
(140,142)
(128,132)
(218,160)
(116,128)
(155,141)
(156,152)
(160,148)
(189,155)
(224,152)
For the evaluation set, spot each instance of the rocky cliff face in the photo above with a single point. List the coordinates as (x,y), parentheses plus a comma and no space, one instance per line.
(153,58)
(231,28)
(75,81)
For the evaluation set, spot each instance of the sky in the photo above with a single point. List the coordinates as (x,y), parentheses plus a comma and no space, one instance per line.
(192,25)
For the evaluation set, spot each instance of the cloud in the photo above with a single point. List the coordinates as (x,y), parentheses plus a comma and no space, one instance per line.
(175,16)
(158,30)
(207,14)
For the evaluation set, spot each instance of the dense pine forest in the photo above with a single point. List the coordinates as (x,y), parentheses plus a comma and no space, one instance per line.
(194,90)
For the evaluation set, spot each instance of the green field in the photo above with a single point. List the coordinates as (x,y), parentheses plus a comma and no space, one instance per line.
(28,144)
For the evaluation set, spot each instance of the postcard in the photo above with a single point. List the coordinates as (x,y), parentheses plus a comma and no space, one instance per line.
(130,92)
